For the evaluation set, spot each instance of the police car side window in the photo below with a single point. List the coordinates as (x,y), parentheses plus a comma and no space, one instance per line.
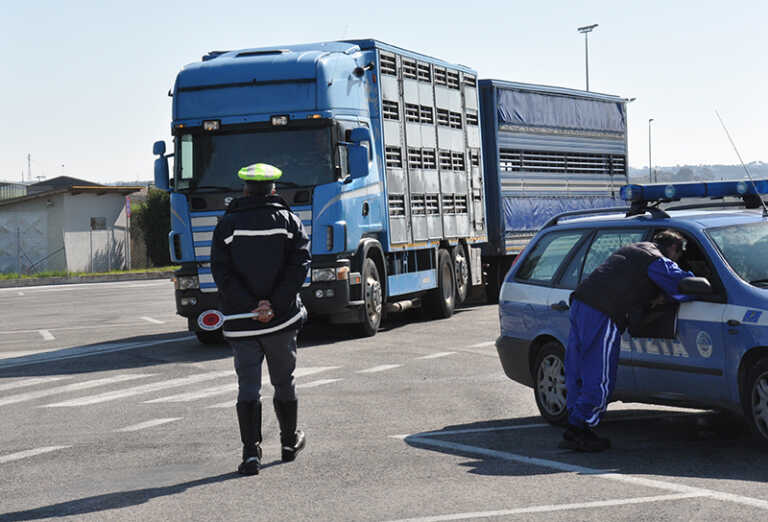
(606,242)
(572,274)
(547,256)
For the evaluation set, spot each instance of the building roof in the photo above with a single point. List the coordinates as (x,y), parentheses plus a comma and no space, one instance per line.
(96,189)
(59,182)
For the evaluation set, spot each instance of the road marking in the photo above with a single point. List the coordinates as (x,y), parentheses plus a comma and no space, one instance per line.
(46,335)
(436,355)
(84,351)
(85,385)
(552,508)
(482,345)
(232,403)
(32,382)
(319,382)
(148,424)
(473,430)
(21,293)
(76,286)
(29,453)
(382,368)
(199,394)
(598,473)
(232,387)
(137,390)
(153,321)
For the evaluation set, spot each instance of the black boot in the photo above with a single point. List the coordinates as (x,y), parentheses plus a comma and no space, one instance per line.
(291,440)
(583,438)
(249,418)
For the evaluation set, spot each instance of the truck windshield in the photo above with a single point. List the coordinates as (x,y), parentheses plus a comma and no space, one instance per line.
(212,160)
(745,248)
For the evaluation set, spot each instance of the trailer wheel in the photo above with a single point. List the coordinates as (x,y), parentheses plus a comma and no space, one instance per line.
(372,299)
(440,302)
(461,270)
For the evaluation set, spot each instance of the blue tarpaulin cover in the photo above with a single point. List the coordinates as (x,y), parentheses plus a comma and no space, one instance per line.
(531,109)
(530,213)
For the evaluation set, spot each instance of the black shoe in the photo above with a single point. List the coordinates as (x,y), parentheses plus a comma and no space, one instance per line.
(251,460)
(291,449)
(249,419)
(583,439)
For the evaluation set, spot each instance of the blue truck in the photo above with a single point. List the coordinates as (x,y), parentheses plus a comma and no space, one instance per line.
(409,174)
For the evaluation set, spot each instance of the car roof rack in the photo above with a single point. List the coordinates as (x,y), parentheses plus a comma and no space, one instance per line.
(749,201)
(628,212)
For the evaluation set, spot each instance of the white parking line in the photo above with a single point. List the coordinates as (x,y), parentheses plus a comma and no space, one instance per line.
(29,453)
(148,424)
(146,388)
(436,355)
(551,508)
(473,430)
(21,293)
(382,368)
(85,385)
(598,473)
(32,382)
(195,395)
(319,382)
(46,335)
(482,345)
(153,321)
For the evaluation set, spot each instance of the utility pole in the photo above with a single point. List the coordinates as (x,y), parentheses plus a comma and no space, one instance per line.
(586,30)
(29,167)
(650,161)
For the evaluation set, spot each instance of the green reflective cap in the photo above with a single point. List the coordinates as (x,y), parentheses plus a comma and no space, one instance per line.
(259,172)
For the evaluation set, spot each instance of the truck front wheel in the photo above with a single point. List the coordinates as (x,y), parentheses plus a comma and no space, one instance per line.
(372,298)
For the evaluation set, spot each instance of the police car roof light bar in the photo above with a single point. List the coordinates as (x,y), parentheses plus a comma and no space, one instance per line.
(665,192)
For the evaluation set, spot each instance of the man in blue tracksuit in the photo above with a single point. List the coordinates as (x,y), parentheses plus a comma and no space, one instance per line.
(260,258)
(635,275)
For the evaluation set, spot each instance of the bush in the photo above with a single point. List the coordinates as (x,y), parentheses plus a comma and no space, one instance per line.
(154,220)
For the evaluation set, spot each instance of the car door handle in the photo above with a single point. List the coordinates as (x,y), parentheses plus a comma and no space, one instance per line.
(562,306)
(733,322)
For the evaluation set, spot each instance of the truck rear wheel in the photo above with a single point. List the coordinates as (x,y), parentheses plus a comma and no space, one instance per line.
(440,302)
(461,270)
(372,298)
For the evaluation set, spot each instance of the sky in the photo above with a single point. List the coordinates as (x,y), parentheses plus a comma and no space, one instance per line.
(84,83)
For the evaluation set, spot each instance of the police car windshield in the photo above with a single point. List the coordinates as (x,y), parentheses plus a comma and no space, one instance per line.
(745,248)
(212,160)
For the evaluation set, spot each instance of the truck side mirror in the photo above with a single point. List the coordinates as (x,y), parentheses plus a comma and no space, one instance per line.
(358,154)
(158,149)
(161,166)
(694,286)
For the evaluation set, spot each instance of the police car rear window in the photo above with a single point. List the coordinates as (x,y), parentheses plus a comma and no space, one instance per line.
(547,256)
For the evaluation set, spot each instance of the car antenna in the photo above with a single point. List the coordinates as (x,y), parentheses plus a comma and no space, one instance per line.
(765,208)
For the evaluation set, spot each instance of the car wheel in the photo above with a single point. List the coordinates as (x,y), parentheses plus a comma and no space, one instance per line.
(549,383)
(756,399)
(372,299)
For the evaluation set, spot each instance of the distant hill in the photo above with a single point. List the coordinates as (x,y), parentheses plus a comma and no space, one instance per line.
(758,170)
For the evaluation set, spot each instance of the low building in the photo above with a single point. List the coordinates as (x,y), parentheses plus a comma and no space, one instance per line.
(66,224)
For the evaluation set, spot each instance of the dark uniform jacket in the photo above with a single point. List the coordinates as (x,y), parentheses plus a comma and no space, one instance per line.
(621,283)
(260,251)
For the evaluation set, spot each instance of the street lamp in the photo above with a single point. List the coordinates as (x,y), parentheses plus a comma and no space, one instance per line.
(586,30)
(650,163)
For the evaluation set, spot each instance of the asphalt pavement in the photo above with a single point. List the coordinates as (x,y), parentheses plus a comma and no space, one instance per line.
(111,410)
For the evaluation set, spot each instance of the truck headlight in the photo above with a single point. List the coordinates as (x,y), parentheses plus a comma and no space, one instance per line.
(186,282)
(323,275)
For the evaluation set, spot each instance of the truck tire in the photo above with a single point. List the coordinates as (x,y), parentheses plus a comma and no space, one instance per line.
(755,399)
(440,302)
(461,270)
(372,299)
(549,383)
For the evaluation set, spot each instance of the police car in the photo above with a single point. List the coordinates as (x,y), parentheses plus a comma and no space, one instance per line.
(708,353)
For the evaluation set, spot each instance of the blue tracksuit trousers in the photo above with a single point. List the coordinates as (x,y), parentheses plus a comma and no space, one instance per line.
(591,362)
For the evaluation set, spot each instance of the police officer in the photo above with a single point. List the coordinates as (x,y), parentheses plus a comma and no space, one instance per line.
(632,276)
(260,259)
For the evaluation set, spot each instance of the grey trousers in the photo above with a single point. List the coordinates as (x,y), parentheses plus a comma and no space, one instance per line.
(280,350)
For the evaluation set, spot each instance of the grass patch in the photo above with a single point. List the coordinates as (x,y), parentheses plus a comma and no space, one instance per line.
(64,273)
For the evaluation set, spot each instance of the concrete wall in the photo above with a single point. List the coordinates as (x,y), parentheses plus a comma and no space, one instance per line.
(55,234)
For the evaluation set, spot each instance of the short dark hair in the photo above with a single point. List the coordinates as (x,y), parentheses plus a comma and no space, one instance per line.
(259,188)
(667,238)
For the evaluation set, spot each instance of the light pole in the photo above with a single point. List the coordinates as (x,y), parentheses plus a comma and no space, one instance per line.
(650,162)
(586,30)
